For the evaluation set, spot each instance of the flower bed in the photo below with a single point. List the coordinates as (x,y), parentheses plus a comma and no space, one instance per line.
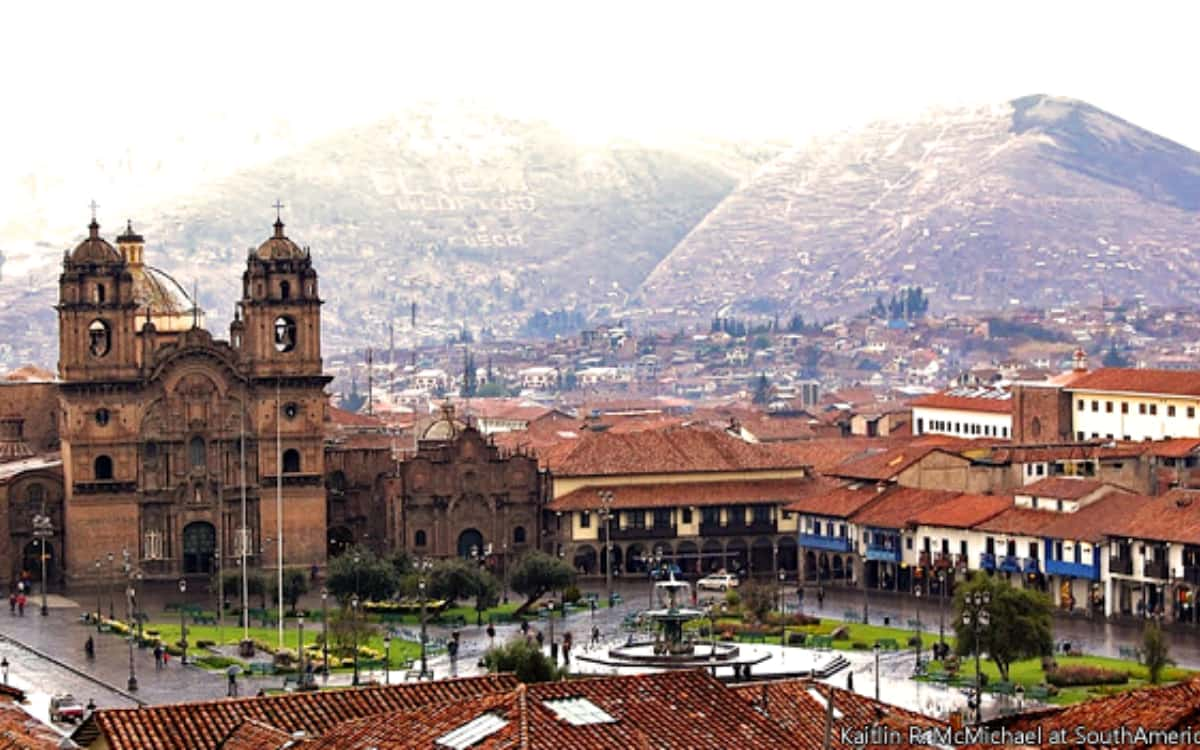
(1072,675)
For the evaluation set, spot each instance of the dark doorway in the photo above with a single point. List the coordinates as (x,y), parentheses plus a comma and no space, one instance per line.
(31,561)
(468,539)
(199,544)
(340,539)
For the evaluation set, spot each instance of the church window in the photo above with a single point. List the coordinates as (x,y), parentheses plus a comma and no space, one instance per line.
(103,468)
(99,338)
(585,519)
(100,293)
(196,451)
(291,409)
(150,451)
(419,539)
(285,334)
(291,461)
(285,290)
(102,416)
(337,481)
(36,494)
(153,544)
(519,535)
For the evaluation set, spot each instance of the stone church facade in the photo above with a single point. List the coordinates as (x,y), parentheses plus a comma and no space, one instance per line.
(153,432)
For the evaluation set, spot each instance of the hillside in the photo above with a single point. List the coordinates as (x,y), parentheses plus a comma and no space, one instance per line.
(1039,202)
(480,219)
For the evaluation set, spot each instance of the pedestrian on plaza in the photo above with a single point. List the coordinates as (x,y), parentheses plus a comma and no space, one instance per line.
(524,627)
(12,603)
(158,656)
(821,597)
(566,647)
(89,648)
(595,635)
(314,572)
(21,604)
(491,634)
(541,640)
(800,598)
(233,686)
(166,656)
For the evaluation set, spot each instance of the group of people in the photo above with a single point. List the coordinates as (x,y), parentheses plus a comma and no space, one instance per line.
(19,596)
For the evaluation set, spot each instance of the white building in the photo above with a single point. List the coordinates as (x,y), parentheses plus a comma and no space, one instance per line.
(964,412)
(1125,404)
(539,378)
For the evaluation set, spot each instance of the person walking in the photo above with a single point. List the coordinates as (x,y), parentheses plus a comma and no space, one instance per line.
(566,648)
(491,634)
(232,671)
(12,603)
(595,635)
(21,604)
(821,597)
(541,640)
(158,656)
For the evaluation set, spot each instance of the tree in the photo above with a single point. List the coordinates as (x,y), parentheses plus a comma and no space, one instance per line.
(255,586)
(469,384)
(537,573)
(756,599)
(374,578)
(295,585)
(1114,357)
(491,389)
(1019,627)
(453,579)
(522,658)
(343,625)
(1155,654)
(762,389)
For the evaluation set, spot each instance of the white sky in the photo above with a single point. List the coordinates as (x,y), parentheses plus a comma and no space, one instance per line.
(86,80)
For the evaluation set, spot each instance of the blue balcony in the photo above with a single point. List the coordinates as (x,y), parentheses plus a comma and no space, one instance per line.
(987,561)
(882,553)
(1030,565)
(828,543)
(1073,570)
(1010,564)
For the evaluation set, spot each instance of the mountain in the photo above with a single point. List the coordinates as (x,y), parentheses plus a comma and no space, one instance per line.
(1041,201)
(479,218)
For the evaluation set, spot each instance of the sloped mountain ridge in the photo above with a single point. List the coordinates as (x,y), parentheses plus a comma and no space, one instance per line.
(1042,201)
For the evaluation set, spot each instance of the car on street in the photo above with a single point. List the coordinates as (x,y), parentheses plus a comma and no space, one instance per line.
(720,581)
(65,708)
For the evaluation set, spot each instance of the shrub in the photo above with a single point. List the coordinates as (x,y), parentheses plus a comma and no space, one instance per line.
(859,646)
(571,594)
(792,620)
(523,659)
(205,644)
(733,599)
(914,641)
(1072,675)
(796,639)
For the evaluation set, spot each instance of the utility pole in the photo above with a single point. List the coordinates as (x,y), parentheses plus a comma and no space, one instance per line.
(279,503)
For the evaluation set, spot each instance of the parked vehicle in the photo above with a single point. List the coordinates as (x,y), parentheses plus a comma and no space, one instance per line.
(64,708)
(720,581)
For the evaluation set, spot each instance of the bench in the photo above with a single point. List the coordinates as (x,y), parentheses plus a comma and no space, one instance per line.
(851,615)
(1038,693)
(821,641)
(1128,652)
(887,644)
(915,625)
(204,620)
(1001,688)
(260,668)
(293,680)
(457,621)
(937,676)
(753,637)
(391,617)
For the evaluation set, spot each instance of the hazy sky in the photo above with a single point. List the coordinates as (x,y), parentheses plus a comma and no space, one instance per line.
(84,79)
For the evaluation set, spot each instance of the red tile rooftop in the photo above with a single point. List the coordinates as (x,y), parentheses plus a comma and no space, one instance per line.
(671,495)
(1126,380)
(1061,488)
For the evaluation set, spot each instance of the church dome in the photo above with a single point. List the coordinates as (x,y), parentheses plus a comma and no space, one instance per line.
(445,428)
(279,247)
(155,290)
(95,249)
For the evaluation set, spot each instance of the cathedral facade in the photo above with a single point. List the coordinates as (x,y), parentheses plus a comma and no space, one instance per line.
(163,446)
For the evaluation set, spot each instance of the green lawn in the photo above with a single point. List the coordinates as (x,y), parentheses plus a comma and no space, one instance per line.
(864,635)
(168,632)
(1029,673)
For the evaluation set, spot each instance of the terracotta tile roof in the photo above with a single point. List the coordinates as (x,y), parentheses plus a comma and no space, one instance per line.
(671,495)
(1173,517)
(883,466)
(823,454)
(897,507)
(1014,520)
(792,704)
(254,735)
(1096,520)
(1061,488)
(21,731)
(1124,380)
(1174,707)
(343,418)
(1173,448)
(671,450)
(1019,454)
(205,724)
(964,511)
(964,403)
(838,501)
(670,710)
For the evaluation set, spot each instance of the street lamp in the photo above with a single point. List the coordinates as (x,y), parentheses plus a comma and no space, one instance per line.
(387,658)
(917,646)
(423,568)
(876,650)
(606,499)
(131,602)
(112,610)
(99,605)
(183,621)
(325,633)
(553,645)
(976,616)
(300,651)
(354,620)
(656,564)
(43,529)
(4,668)
(941,576)
(782,614)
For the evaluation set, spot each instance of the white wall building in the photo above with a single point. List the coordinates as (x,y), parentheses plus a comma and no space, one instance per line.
(964,412)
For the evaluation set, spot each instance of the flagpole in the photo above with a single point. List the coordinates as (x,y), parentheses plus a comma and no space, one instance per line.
(279,504)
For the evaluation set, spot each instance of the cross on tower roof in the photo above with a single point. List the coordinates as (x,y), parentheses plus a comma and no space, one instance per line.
(278,207)
(94,205)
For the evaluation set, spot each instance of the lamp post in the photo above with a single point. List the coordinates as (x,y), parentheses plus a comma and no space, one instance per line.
(99,605)
(553,645)
(782,614)
(504,562)
(354,620)
(43,529)
(976,616)
(183,621)
(917,647)
(606,499)
(112,610)
(876,650)
(656,565)
(423,567)
(941,576)
(131,602)
(4,668)
(387,659)
(325,633)
(300,651)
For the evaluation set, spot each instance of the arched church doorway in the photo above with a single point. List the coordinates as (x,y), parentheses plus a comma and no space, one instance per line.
(340,540)
(199,545)
(471,538)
